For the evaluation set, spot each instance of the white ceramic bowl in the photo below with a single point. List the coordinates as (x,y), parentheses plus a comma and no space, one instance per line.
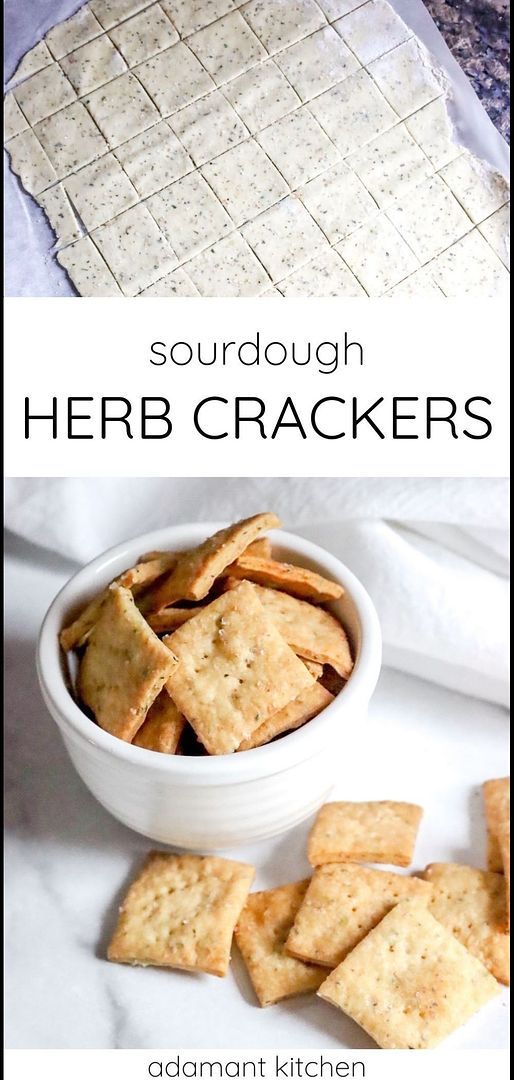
(204,803)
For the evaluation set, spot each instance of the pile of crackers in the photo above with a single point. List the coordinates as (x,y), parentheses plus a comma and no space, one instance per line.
(409,958)
(212,650)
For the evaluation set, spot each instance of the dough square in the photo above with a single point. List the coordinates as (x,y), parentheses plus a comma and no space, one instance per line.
(111,12)
(299,147)
(342,904)
(261,931)
(353,112)
(228,268)
(338,202)
(174,78)
(70,138)
(496,230)
(419,284)
(227,47)
(327,275)
(74,32)
(175,284)
(135,249)
(208,127)
(163,727)
(432,130)
(87,269)
(44,93)
(376,832)
(471,268)
(429,218)
(245,181)
(101,191)
(406,77)
(261,96)
(124,667)
(312,632)
(333,9)
(191,15)
(279,23)
(296,713)
(144,35)
(93,65)
(34,60)
(378,256)
(59,212)
(409,983)
(181,912)
(154,159)
(372,30)
(14,120)
(190,214)
(472,905)
(122,109)
(390,164)
(234,670)
(479,189)
(284,238)
(316,63)
(496,795)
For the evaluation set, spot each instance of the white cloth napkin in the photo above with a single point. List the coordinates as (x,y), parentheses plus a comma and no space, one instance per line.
(432,553)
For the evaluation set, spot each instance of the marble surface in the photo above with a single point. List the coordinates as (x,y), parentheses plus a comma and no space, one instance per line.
(68,862)
(477,32)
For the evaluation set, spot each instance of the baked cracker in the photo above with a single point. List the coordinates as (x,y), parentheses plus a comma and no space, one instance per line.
(290,579)
(303,708)
(376,832)
(497,813)
(471,904)
(163,727)
(311,631)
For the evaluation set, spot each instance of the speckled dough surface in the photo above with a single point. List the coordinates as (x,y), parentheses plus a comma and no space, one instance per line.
(219,148)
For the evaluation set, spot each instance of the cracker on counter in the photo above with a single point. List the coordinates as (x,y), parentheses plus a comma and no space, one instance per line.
(472,904)
(197,570)
(261,932)
(163,727)
(303,708)
(376,832)
(181,912)
(310,631)
(235,670)
(409,983)
(496,795)
(285,576)
(124,668)
(342,904)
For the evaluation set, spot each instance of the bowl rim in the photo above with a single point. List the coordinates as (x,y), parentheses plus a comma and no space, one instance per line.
(265,760)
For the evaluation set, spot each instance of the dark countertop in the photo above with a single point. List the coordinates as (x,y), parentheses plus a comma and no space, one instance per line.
(477,32)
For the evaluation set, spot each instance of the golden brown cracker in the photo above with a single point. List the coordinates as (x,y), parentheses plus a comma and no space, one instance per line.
(261,548)
(181,912)
(124,668)
(303,708)
(235,670)
(471,904)
(311,631)
(497,812)
(261,931)
(285,576)
(409,983)
(376,832)
(168,619)
(163,727)
(315,669)
(342,904)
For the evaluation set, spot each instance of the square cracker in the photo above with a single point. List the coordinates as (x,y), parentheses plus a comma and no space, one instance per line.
(181,912)
(30,163)
(432,130)
(122,109)
(285,237)
(261,932)
(497,814)
(279,23)
(34,60)
(303,708)
(327,275)
(353,112)
(409,983)
(190,214)
(391,164)
(75,31)
(227,47)
(372,29)
(87,269)
(208,127)
(479,188)
(70,138)
(471,268)
(378,255)
(281,575)
(154,159)
(471,903)
(44,93)
(338,202)
(376,832)
(235,670)
(228,268)
(228,176)
(124,668)
(93,65)
(191,15)
(342,904)
(111,12)
(144,35)
(299,147)
(316,63)
(100,191)
(311,631)
(163,727)
(406,77)
(174,78)
(261,96)
(197,570)
(135,249)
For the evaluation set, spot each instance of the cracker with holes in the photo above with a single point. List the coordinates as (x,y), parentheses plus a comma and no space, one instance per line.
(342,904)
(376,832)
(471,903)
(124,668)
(261,932)
(197,570)
(497,813)
(311,631)
(180,912)
(409,983)
(235,670)
(307,705)
(163,727)
(291,579)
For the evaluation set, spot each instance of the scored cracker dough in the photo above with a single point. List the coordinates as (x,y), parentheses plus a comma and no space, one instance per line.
(30,163)
(175,284)
(496,230)
(432,130)
(111,12)
(327,275)
(478,188)
(191,15)
(353,112)
(70,139)
(82,27)
(284,238)
(316,63)
(93,65)
(34,60)
(208,127)
(378,256)
(279,23)
(338,202)
(229,176)
(429,218)
(299,147)
(372,30)
(228,268)
(100,191)
(44,93)
(470,268)
(135,249)
(174,78)
(390,164)
(227,47)
(406,79)
(154,159)
(189,212)
(122,109)
(14,120)
(59,212)
(88,270)
(261,96)
(144,35)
